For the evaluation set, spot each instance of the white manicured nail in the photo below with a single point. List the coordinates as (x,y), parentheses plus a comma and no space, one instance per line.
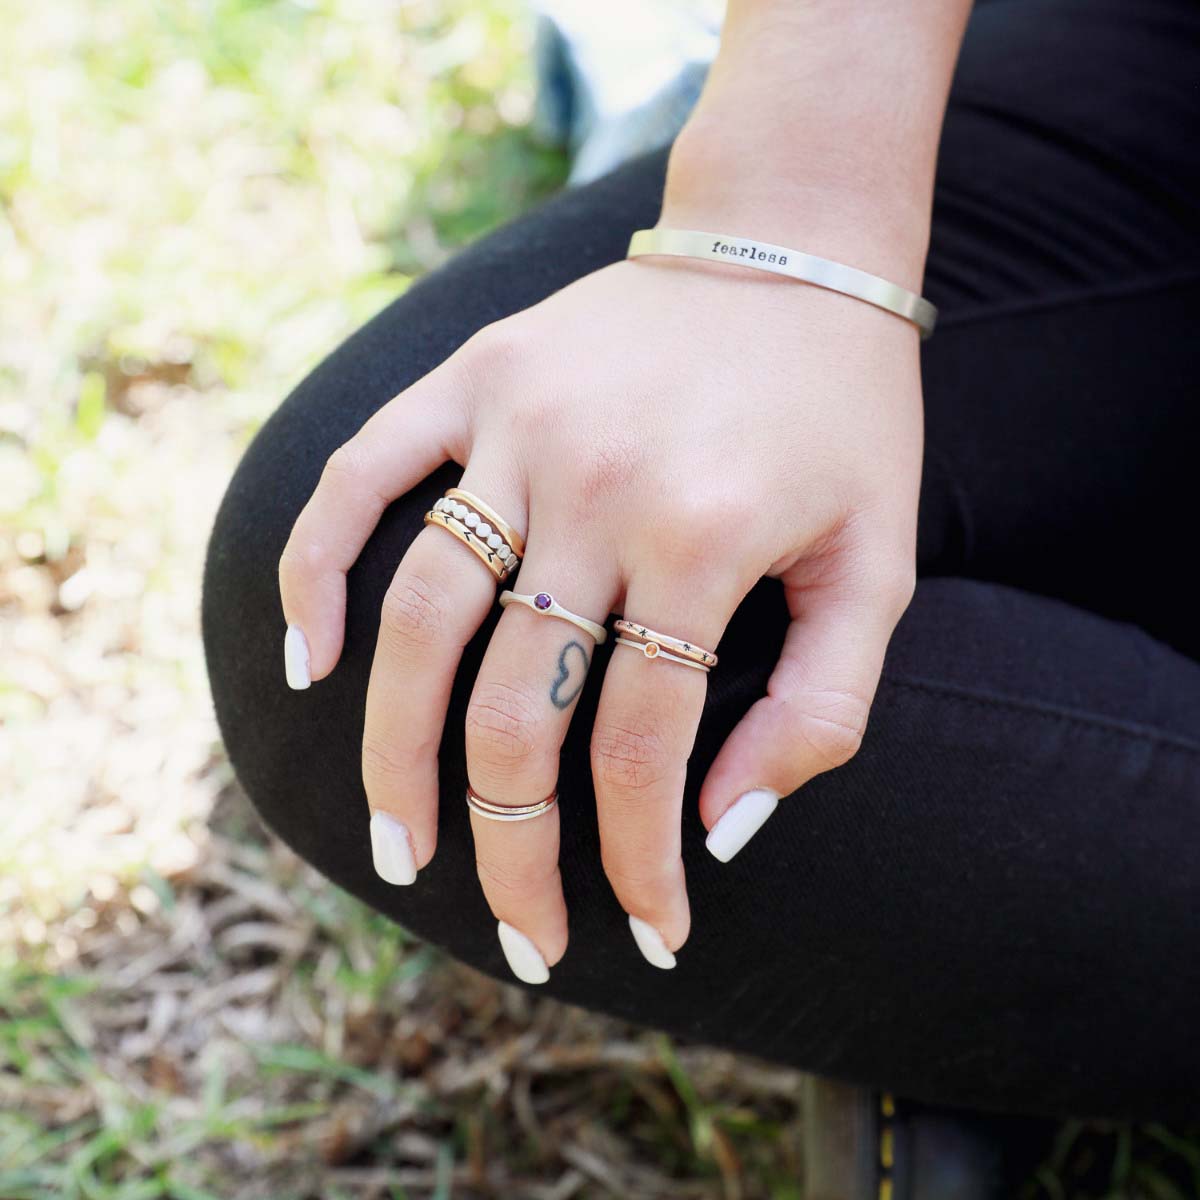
(740,822)
(523,956)
(391,850)
(295,658)
(650,943)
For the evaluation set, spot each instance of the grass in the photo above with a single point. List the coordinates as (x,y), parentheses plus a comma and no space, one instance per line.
(197,201)
(198,198)
(259,1033)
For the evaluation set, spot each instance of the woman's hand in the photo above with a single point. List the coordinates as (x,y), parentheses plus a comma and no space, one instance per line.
(664,432)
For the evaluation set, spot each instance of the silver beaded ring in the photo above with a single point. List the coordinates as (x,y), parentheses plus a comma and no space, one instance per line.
(479,527)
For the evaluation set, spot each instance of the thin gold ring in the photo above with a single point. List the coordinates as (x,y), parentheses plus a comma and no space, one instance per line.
(508,812)
(641,635)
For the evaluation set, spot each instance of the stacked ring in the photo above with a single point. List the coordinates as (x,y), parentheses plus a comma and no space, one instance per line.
(497,544)
(499,524)
(508,812)
(660,645)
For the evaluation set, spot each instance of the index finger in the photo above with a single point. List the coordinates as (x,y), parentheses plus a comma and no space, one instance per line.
(406,440)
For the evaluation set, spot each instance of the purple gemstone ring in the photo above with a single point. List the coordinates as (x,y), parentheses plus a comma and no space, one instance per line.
(545,603)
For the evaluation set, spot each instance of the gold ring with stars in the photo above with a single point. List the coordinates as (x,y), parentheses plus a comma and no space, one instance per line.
(662,645)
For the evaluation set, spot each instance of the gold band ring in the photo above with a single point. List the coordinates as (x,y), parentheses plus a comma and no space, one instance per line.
(508,812)
(498,523)
(489,557)
(494,541)
(654,644)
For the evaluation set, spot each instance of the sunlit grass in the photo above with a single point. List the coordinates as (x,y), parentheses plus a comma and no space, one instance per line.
(197,201)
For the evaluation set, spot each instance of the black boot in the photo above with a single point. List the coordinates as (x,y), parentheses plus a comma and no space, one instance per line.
(860,1145)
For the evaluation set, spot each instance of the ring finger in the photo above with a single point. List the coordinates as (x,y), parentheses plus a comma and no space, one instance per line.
(645,727)
(527,689)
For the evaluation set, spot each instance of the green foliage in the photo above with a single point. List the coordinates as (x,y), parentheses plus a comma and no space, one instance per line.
(126,1145)
(198,200)
(209,194)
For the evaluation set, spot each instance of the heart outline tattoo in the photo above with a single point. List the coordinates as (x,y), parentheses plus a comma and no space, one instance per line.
(557,698)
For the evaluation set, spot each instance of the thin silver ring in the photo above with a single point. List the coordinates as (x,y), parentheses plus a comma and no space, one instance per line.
(653,650)
(545,605)
(508,812)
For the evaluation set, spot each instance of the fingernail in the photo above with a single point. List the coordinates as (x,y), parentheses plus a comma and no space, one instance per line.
(650,943)
(392,850)
(740,822)
(295,658)
(523,956)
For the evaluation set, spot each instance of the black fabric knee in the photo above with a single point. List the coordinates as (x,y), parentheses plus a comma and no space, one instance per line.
(991,905)
(984,907)
(996,902)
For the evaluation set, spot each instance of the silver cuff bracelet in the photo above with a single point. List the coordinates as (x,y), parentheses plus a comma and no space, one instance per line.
(823,272)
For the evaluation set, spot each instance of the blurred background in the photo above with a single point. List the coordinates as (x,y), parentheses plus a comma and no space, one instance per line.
(198,200)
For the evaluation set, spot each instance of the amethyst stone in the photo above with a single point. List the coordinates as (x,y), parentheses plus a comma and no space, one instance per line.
(542,600)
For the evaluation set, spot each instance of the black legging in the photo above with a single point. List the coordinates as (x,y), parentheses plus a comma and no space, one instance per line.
(997,902)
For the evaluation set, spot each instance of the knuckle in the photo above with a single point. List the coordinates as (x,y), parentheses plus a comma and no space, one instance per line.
(901,587)
(496,349)
(883,558)
(711,510)
(608,468)
(350,470)
(349,462)
(887,581)
(300,560)
(382,764)
(496,364)
(502,879)
(413,612)
(704,524)
(627,758)
(528,414)
(687,555)
(645,874)
(833,726)
(501,724)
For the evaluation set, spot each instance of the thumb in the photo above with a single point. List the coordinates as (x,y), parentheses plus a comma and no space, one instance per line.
(814,714)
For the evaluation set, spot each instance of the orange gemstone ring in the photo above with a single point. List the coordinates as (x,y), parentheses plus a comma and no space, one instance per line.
(662,645)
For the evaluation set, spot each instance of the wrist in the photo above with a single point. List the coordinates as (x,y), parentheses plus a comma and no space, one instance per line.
(844,209)
(818,128)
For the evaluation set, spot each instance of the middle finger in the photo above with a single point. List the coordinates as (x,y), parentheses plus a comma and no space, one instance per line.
(526,691)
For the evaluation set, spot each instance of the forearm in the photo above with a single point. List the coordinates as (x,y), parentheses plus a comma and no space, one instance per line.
(818,127)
